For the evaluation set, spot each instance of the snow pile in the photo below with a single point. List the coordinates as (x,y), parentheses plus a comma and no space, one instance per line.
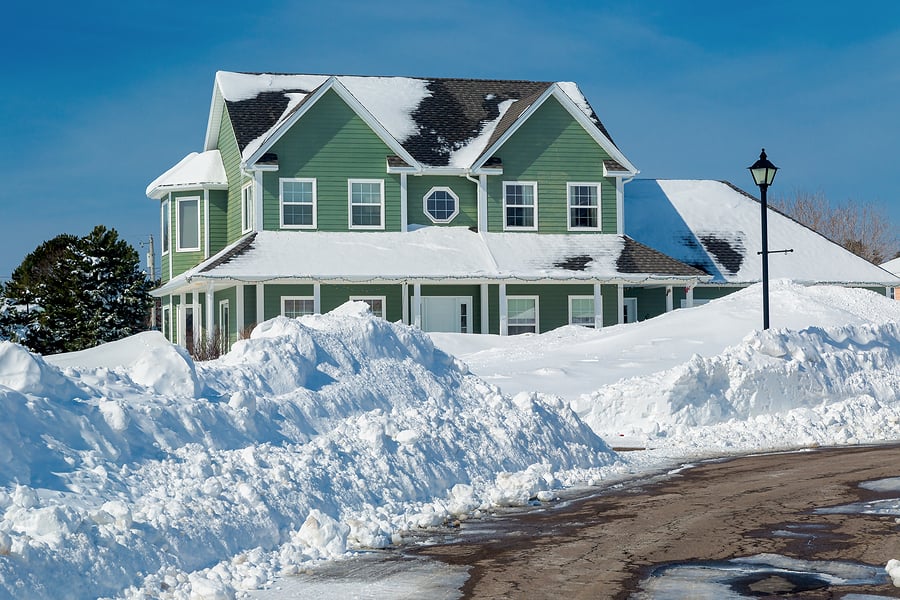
(769,373)
(130,471)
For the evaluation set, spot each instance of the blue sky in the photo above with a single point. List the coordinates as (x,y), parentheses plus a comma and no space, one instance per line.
(99,97)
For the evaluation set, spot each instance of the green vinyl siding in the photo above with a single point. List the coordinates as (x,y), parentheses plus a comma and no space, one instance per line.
(231,159)
(651,302)
(335,295)
(553,303)
(331,144)
(218,213)
(418,187)
(274,293)
(552,149)
(249,309)
(700,293)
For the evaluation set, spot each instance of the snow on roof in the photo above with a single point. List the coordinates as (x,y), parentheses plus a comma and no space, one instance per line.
(716,227)
(194,170)
(468,153)
(427,253)
(892,265)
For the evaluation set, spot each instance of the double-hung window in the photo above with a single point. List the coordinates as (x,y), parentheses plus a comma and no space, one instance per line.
(581,311)
(247,207)
(522,314)
(164,226)
(298,203)
(188,224)
(366,203)
(376,304)
(520,205)
(584,206)
(297,306)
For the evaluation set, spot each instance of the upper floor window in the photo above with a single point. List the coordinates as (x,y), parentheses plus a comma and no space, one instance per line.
(520,205)
(297,306)
(164,226)
(584,206)
(441,204)
(366,203)
(298,203)
(247,207)
(188,224)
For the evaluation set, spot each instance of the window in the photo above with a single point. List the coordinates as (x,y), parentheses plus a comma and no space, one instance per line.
(441,204)
(164,226)
(520,205)
(630,311)
(366,203)
(584,206)
(581,311)
(298,203)
(247,207)
(188,224)
(522,314)
(376,303)
(297,306)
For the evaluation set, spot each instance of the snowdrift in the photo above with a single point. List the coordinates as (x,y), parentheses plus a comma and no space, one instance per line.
(130,471)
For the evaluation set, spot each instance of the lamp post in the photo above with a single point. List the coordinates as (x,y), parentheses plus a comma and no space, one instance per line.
(763,173)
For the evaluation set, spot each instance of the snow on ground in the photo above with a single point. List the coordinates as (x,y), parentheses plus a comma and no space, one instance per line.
(131,471)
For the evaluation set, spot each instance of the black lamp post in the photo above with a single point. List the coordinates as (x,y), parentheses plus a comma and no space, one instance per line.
(763,174)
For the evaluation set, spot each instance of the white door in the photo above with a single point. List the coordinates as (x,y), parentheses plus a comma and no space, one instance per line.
(447,314)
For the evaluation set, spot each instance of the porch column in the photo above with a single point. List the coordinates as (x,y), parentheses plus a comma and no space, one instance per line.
(620,293)
(210,311)
(404,204)
(260,299)
(404,291)
(240,321)
(670,299)
(317,298)
(485,315)
(417,305)
(182,320)
(689,297)
(598,307)
(504,316)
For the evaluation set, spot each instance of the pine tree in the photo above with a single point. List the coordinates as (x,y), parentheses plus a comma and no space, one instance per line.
(74,293)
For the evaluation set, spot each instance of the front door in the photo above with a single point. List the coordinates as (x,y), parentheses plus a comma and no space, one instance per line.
(447,314)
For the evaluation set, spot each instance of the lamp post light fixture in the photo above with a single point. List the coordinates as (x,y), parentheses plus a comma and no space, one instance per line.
(763,173)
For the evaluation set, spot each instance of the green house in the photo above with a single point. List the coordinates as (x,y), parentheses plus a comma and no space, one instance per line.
(474,206)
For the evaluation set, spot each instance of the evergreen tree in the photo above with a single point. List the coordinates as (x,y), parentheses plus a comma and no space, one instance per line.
(75,293)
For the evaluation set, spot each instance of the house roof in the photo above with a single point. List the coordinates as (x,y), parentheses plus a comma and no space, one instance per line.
(435,254)
(715,226)
(892,265)
(439,122)
(204,169)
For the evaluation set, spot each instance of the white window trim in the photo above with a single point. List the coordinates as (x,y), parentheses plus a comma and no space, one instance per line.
(223,327)
(584,297)
(315,201)
(569,206)
(537,311)
(534,186)
(364,298)
(178,201)
(246,207)
(440,188)
(631,301)
(350,204)
(165,225)
(285,298)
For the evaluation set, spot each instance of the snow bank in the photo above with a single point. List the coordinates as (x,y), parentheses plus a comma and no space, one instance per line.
(133,472)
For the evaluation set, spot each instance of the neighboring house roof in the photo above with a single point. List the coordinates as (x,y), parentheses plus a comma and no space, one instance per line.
(439,122)
(435,254)
(715,226)
(892,265)
(203,170)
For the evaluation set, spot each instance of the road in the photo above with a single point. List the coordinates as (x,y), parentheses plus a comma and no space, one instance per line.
(603,546)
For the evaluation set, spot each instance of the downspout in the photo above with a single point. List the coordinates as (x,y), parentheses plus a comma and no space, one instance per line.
(481,187)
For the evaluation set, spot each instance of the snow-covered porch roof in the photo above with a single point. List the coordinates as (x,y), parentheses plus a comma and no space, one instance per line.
(433,255)
(715,226)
